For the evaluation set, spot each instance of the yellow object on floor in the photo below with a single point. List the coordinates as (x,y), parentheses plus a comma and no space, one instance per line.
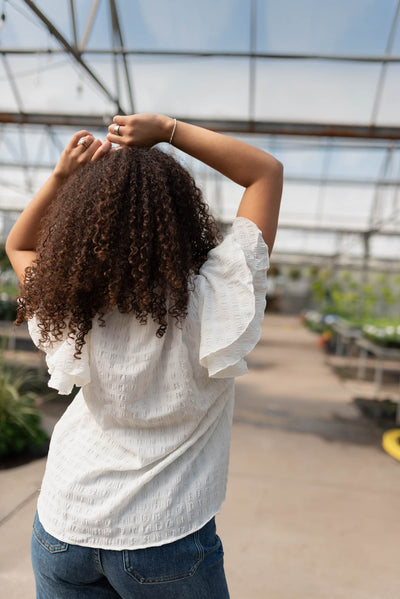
(391,442)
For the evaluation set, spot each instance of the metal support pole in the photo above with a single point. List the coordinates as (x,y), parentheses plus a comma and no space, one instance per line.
(89,25)
(124,59)
(252,65)
(73,20)
(382,74)
(114,36)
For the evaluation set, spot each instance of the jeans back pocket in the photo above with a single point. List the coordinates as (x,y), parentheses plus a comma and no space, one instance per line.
(165,563)
(47,541)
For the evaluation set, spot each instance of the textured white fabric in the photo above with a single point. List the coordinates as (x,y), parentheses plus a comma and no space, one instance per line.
(140,457)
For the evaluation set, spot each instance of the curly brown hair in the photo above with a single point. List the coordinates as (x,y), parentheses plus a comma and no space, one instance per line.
(126,231)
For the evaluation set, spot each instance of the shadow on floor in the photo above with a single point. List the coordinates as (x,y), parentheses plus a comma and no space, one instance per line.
(330,420)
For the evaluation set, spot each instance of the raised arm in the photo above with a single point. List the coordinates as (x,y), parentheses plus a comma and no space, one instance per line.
(259,172)
(22,240)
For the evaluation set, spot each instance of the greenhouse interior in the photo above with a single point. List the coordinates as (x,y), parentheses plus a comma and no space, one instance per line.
(324,104)
(316,84)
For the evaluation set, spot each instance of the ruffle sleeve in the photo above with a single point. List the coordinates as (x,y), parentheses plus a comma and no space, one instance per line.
(65,370)
(232,292)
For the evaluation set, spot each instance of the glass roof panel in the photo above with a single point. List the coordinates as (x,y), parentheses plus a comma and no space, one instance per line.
(58,13)
(186,25)
(312,26)
(190,87)
(298,90)
(396,42)
(385,247)
(54,84)
(360,163)
(386,212)
(346,206)
(8,100)
(388,113)
(300,159)
(99,34)
(299,203)
(22,29)
(305,242)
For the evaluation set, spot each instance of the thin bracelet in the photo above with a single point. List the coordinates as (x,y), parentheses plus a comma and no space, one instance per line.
(173,131)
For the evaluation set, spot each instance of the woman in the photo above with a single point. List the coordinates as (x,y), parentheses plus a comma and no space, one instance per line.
(127,289)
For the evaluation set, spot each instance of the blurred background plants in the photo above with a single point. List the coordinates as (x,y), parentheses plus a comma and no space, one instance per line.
(369,302)
(20,422)
(19,417)
(9,288)
(354,297)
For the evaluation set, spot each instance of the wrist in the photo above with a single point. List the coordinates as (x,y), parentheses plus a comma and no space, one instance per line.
(58,176)
(168,125)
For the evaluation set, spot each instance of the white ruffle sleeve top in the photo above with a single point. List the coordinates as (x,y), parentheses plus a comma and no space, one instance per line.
(140,457)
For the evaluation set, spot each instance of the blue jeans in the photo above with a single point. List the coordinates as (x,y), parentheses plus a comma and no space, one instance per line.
(190,568)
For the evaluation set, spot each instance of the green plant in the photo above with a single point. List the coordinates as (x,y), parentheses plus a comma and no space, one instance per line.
(312,272)
(346,277)
(274,271)
(8,309)
(4,261)
(386,335)
(294,273)
(19,417)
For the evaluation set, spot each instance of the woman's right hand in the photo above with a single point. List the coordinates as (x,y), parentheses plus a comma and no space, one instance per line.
(81,149)
(140,129)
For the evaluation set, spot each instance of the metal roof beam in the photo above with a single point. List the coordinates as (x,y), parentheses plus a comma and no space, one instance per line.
(116,24)
(72,51)
(114,37)
(73,21)
(382,74)
(35,164)
(227,126)
(89,25)
(368,58)
(322,228)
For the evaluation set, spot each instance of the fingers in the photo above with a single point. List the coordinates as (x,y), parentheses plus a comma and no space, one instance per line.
(84,142)
(91,146)
(114,139)
(80,150)
(120,120)
(76,137)
(115,132)
(121,129)
(102,150)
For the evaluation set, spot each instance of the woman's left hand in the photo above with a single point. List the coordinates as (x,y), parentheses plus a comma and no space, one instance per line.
(81,149)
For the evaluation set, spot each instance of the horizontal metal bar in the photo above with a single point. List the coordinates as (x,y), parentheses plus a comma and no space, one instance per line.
(303,258)
(369,58)
(60,120)
(342,181)
(323,228)
(288,178)
(227,126)
(299,145)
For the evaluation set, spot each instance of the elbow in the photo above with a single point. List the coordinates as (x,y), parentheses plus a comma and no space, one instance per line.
(277,170)
(273,174)
(8,247)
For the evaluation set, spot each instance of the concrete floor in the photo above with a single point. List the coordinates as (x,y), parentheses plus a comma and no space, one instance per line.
(312,504)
